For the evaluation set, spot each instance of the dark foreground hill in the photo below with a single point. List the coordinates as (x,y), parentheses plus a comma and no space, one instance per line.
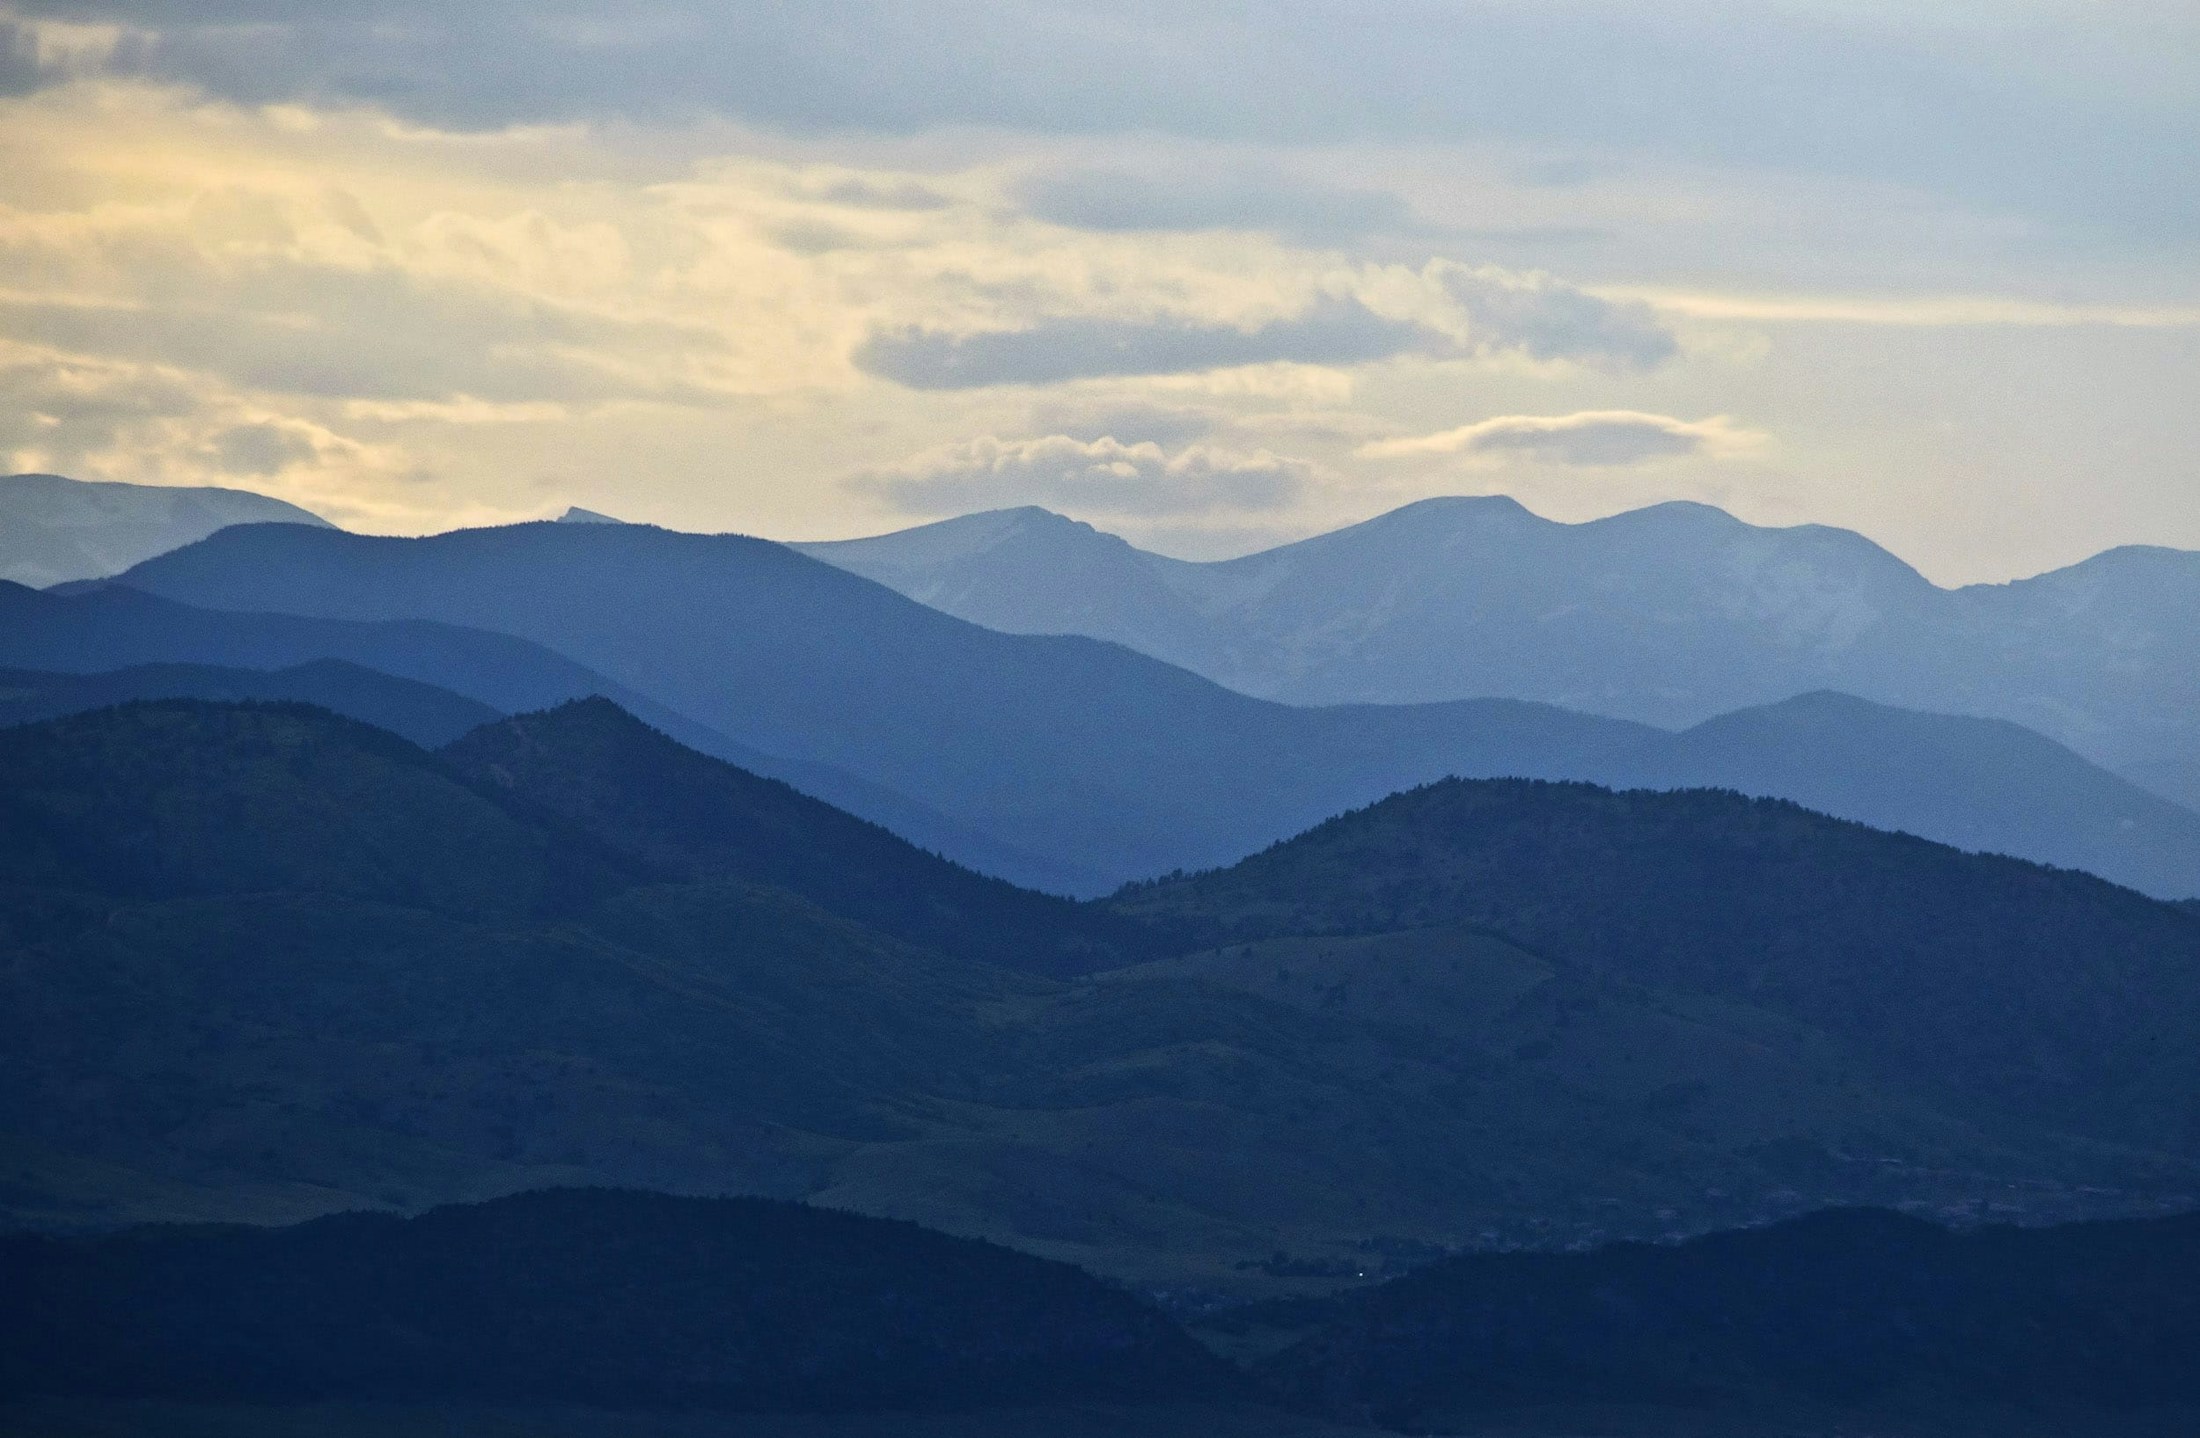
(620,1299)
(262,962)
(1842,1310)
(2043,993)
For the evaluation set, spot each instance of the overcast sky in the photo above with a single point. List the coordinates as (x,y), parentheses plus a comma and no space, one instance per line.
(1208,274)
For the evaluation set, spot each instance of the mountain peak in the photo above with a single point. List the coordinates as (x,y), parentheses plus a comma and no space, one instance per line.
(577,515)
(54,529)
(958,540)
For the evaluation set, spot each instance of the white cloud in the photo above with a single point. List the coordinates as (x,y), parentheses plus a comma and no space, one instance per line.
(1102,476)
(1590,438)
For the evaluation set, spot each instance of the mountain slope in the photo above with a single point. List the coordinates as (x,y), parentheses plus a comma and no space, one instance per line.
(427,715)
(1028,571)
(110,627)
(1083,752)
(1116,765)
(2028,989)
(54,529)
(1669,615)
(594,764)
(621,1299)
(1841,1311)
(1980,784)
(258,962)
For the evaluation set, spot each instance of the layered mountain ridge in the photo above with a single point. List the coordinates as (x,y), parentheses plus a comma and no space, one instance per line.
(1102,764)
(263,962)
(1668,615)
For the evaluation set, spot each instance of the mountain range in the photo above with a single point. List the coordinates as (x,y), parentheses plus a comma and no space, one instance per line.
(1081,764)
(54,529)
(110,642)
(265,962)
(1669,615)
(535,963)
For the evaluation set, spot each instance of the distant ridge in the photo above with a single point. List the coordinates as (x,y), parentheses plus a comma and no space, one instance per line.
(54,529)
(1108,765)
(1669,615)
(578,515)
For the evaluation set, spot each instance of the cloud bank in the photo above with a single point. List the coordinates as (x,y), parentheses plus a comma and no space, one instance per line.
(1115,200)
(1102,476)
(1333,332)
(1945,102)
(1591,438)
(1459,311)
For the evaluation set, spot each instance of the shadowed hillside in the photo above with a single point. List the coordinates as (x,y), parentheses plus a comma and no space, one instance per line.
(1838,1311)
(111,627)
(616,1298)
(427,715)
(1106,764)
(261,962)
(1084,752)
(594,764)
(2044,992)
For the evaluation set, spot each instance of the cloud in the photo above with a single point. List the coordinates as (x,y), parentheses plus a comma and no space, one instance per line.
(1965,107)
(1103,476)
(1548,319)
(859,192)
(260,449)
(1592,438)
(1166,425)
(54,411)
(1461,310)
(20,72)
(1113,200)
(1332,332)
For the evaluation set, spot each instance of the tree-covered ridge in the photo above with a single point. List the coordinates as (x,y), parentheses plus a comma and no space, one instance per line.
(388,983)
(181,798)
(616,1298)
(2047,993)
(592,763)
(1841,1309)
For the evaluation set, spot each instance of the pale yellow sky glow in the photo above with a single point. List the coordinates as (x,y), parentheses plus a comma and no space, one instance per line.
(1203,343)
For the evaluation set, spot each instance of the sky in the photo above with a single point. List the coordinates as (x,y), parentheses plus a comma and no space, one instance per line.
(1211,274)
